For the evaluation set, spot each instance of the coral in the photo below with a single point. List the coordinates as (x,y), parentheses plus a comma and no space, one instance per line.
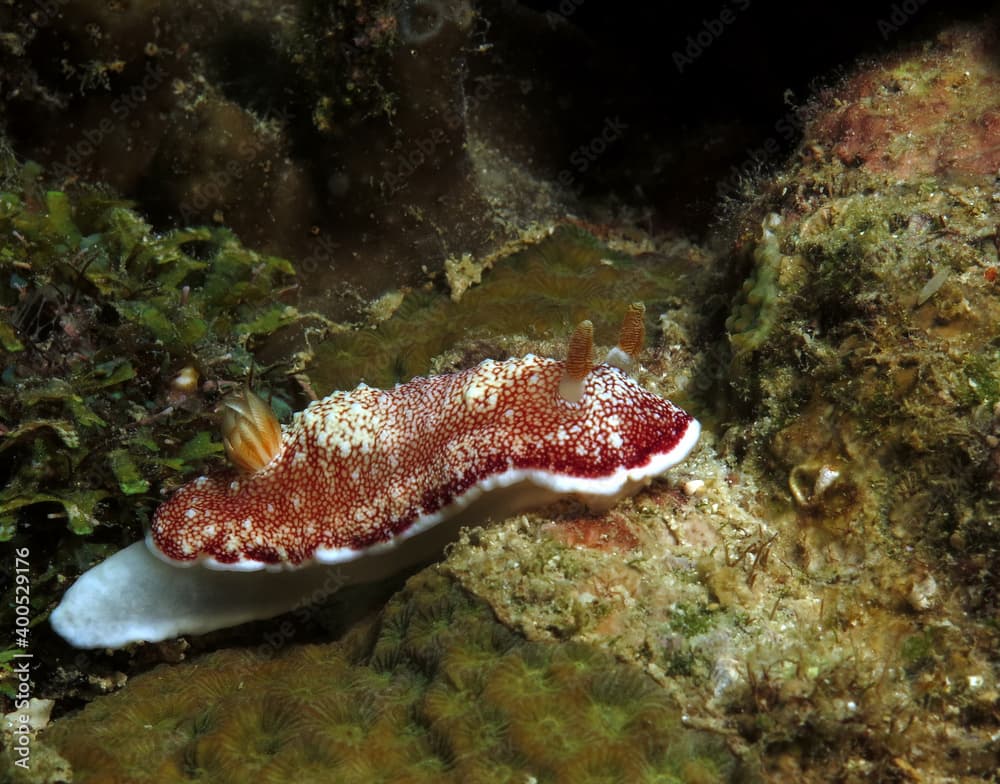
(535,292)
(888,331)
(434,689)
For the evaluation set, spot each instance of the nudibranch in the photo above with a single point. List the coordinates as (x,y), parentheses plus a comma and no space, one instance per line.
(358,475)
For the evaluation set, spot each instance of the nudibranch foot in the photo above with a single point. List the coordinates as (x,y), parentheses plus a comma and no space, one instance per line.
(135,596)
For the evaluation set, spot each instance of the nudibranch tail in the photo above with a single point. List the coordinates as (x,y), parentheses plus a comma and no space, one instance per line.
(251,432)
(579,361)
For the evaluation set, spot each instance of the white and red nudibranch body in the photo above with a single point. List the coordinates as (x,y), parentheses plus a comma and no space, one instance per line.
(366,467)
(358,476)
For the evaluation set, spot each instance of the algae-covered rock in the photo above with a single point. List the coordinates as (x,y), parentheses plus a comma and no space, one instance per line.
(820,573)
(866,381)
(349,137)
(433,689)
(870,371)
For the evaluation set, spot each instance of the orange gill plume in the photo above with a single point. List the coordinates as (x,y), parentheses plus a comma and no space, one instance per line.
(633,332)
(630,339)
(579,361)
(251,432)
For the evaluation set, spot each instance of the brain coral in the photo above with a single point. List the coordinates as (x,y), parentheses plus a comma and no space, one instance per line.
(434,689)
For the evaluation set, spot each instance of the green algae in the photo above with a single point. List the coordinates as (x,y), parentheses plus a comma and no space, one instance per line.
(433,689)
(691,620)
